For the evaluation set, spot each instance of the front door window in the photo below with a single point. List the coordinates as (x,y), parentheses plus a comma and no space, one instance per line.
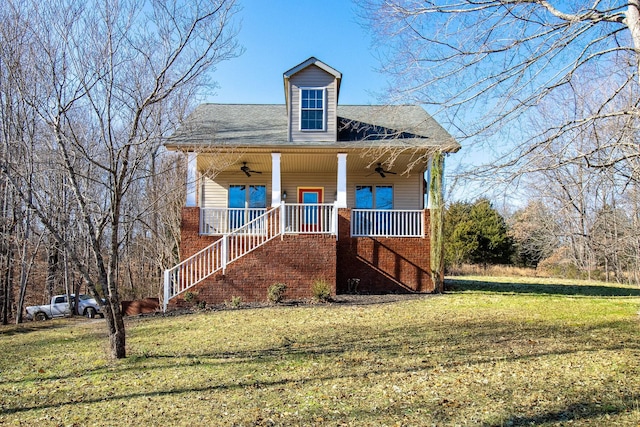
(311,214)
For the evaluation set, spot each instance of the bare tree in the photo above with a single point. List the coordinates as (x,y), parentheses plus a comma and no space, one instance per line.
(535,233)
(18,134)
(114,77)
(485,67)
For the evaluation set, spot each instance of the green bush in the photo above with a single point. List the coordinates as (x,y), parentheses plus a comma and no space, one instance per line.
(235,302)
(190,296)
(275,293)
(321,290)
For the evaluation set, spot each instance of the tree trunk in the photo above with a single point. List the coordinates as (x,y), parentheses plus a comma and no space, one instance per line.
(437,222)
(7,283)
(23,275)
(632,20)
(115,324)
(52,266)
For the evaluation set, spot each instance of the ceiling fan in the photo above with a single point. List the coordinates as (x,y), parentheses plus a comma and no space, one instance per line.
(247,170)
(379,169)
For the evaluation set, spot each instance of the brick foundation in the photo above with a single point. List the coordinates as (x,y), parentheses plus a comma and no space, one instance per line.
(296,261)
(383,265)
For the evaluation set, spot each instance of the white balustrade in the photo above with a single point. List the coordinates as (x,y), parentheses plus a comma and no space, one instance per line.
(387,223)
(310,218)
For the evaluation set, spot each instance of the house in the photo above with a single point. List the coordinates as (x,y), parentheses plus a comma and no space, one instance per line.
(304,191)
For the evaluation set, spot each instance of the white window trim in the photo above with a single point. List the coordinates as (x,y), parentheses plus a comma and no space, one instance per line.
(324,109)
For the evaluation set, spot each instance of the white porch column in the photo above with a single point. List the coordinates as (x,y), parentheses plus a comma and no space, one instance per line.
(276,187)
(192,176)
(341,197)
(427,184)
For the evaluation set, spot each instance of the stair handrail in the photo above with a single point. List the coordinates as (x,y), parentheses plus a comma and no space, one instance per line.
(215,257)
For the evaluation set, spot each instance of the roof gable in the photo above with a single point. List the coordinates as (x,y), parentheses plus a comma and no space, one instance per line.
(312,61)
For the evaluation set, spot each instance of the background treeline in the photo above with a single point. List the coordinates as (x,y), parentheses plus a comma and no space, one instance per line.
(34,266)
(89,91)
(601,242)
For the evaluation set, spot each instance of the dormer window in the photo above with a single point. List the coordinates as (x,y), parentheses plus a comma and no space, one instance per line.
(312,107)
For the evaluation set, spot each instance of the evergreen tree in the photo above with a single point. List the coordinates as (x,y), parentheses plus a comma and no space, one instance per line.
(476,233)
(459,237)
(494,244)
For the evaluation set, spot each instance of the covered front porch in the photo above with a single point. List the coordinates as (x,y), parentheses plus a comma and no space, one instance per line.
(308,186)
(259,217)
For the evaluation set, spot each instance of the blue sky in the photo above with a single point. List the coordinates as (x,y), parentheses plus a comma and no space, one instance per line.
(279,34)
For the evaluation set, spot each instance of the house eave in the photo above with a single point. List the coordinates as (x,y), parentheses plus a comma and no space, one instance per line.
(340,146)
(312,61)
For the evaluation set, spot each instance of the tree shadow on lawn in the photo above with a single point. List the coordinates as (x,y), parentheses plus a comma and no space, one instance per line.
(31,326)
(472,342)
(439,410)
(574,412)
(463,285)
(465,343)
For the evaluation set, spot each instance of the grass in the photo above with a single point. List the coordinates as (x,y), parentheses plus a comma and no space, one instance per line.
(490,352)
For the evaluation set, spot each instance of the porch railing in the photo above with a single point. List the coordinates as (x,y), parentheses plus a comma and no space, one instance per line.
(301,218)
(225,220)
(387,223)
(297,218)
(219,254)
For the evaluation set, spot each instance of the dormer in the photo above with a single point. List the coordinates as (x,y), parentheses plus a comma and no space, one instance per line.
(311,92)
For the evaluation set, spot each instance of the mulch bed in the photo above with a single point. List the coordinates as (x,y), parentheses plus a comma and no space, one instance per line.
(337,301)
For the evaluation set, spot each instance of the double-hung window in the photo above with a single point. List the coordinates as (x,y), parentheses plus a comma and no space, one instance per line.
(312,107)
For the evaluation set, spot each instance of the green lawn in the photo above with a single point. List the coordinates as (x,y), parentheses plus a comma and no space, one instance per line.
(490,352)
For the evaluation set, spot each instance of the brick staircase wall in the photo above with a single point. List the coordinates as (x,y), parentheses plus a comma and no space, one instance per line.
(296,261)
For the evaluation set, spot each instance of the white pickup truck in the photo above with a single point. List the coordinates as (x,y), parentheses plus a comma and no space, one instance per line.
(59,307)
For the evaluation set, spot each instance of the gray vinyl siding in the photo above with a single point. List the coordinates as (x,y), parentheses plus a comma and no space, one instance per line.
(313,77)
(407,192)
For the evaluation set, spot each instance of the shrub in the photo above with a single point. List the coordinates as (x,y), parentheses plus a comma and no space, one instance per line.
(275,293)
(321,290)
(235,302)
(190,296)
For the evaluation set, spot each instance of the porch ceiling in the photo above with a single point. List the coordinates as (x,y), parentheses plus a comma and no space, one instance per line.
(294,162)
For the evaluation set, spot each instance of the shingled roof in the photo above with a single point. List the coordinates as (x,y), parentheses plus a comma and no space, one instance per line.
(265,125)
